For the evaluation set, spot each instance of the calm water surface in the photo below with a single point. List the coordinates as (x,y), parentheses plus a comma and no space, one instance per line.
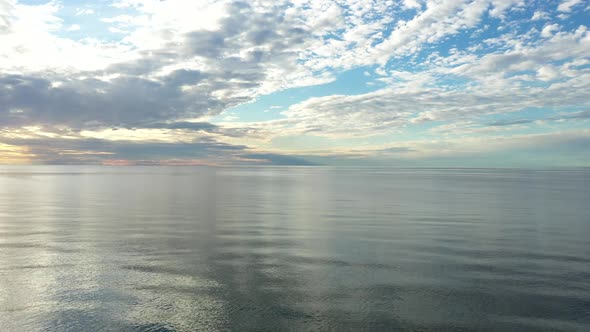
(299,248)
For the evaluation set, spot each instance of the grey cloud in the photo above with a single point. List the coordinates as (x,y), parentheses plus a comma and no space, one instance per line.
(196,126)
(124,101)
(501,123)
(140,96)
(95,151)
(560,117)
(278,159)
(245,28)
(205,43)
(391,150)
(185,77)
(401,149)
(261,36)
(145,65)
(204,127)
(577,115)
(51,150)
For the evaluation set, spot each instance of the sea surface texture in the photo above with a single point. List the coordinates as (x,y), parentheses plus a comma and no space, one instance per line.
(293,248)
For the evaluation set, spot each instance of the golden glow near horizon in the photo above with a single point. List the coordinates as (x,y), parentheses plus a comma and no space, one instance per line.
(10,154)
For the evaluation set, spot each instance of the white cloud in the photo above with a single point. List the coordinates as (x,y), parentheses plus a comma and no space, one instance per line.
(6,9)
(549,29)
(84,11)
(117,30)
(547,73)
(567,5)
(73,27)
(440,19)
(540,15)
(33,45)
(412,4)
(168,61)
(495,87)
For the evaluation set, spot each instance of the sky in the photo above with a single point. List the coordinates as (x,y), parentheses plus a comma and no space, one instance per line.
(445,83)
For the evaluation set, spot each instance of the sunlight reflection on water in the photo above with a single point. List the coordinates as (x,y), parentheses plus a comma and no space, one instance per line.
(271,248)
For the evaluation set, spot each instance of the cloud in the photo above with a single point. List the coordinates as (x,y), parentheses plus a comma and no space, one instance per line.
(549,29)
(195,126)
(575,115)
(84,11)
(579,115)
(412,4)
(511,122)
(205,150)
(88,103)
(276,159)
(88,150)
(253,51)
(168,69)
(182,70)
(6,8)
(440,19)
(73,27)
(540,15)
(390,110)
(567,5)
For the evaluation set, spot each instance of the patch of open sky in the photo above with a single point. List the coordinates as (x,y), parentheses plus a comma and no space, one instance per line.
(88,17)
(269,107)
(518,19)
(335,34)
(460,41)
(39,2)
(580,15)
(522,24)
(471,39)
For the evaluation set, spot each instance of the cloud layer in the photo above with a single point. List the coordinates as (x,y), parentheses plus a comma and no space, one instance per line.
(152,81)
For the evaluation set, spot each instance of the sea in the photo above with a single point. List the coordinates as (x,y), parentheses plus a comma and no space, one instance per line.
(133,248)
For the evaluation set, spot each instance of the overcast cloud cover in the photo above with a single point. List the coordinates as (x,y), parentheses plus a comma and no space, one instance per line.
(351,82)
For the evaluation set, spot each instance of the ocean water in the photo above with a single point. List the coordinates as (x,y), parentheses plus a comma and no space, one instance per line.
(293,248)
